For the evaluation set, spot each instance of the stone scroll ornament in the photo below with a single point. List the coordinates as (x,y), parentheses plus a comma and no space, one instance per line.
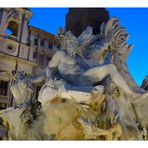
(78,100)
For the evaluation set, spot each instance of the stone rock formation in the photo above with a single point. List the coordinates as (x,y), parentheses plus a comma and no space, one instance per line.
(145,83)
(87,92)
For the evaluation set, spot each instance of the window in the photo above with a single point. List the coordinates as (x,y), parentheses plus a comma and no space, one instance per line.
(50,45)
(41,59)
(35,42)
(27,75)
(10,47)
(42,42)
(8,31)
(12,28)
(3,87)
(34,55)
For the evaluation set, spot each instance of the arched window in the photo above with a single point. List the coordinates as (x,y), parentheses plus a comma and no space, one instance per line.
(12,28)
(50,45)
(8,31)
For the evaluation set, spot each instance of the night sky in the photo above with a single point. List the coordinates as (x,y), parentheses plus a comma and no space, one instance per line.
(135,20)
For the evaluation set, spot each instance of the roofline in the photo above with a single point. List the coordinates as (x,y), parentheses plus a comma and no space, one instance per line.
(42,31)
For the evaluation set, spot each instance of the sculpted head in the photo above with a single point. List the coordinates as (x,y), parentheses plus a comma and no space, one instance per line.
(68,41)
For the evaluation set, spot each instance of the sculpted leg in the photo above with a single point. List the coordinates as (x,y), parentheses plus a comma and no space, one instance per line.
(98,73)
(118,79)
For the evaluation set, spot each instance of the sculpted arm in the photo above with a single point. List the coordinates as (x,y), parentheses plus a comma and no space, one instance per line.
(38,79)
(55,61)
(45,76)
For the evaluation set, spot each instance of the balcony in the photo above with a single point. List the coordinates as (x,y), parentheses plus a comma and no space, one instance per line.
(11,37)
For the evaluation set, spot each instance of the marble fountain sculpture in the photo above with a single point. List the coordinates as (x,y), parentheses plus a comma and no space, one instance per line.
(87,92)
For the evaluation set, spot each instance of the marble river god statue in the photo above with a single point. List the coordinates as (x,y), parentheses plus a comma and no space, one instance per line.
(87,92)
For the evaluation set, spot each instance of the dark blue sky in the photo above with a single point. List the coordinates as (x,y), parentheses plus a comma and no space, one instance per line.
(135,20)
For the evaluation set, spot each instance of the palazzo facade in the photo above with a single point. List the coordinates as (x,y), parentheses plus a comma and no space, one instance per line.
(22,48)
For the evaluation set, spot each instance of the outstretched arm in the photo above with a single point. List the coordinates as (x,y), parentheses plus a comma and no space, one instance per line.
(38,79)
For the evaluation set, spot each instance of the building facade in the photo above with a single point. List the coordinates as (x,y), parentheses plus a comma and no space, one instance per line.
(22,48)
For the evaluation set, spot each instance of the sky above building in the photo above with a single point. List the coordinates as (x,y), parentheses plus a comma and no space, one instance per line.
(135,20)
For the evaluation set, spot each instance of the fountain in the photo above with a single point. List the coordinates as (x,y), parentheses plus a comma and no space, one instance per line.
(87,92)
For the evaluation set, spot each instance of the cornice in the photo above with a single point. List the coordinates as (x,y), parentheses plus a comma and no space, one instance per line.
(13,58)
